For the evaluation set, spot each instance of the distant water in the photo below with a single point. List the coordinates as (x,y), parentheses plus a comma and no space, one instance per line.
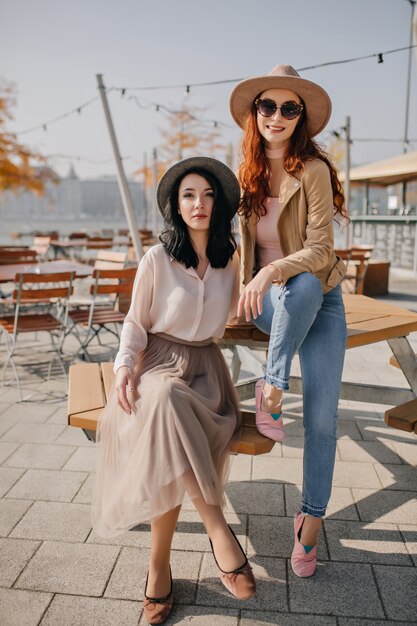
(64,228)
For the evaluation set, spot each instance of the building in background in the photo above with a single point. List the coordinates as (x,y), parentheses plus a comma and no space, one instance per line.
(72,199)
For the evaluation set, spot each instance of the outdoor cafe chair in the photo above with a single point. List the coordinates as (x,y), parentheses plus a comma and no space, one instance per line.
(22,255)
(357,260)
(87,324)
(40,304)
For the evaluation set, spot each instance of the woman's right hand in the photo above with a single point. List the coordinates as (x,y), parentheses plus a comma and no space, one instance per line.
(124,388)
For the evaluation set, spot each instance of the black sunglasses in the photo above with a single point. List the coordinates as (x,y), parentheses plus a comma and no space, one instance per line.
(289,110)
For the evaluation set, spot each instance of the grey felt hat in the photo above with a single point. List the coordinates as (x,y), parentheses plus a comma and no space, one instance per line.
(317,102)
(219,170)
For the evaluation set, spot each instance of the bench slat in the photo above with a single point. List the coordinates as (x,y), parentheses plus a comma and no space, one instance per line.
(403,417)
(85,391)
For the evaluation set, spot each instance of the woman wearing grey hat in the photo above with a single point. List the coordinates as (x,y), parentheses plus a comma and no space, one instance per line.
(290,273)
(174,436)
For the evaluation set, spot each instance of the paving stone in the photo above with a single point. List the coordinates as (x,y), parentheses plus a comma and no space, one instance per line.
(261,618)
(406,450)
(199,616)
(5,427)
(366,543)
(47,485)
(255,497)
(129,575)
(81,611)
(28,412)
(40,456)
(8,477)
(60,416)
(83,460)
(392,507)
(398,590)
(409,534)
(84,495)
(341,504)
(362,475)
(377,429)
(15,553)
(33,433)
(292,448)
(22,608)
(271,585)
(71,568)
(73,437)
(366,451)
(336,589)
(11,512)
(354,621)
(6,449)
(277,470)
(274,536)
(349,429)
(403,478)
(55,521)
(240,467)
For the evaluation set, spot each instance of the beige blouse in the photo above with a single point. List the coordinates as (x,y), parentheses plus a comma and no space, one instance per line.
(169,298)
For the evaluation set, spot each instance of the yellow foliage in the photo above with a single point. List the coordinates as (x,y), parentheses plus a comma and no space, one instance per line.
(16,169)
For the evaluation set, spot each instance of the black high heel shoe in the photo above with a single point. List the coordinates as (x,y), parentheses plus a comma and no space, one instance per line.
(240,582)
(157,610)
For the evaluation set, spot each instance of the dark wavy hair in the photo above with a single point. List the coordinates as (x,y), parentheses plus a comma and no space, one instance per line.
(254,171)
(175,238)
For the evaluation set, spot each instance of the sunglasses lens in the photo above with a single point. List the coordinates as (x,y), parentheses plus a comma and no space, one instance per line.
(290,110)
(266,108)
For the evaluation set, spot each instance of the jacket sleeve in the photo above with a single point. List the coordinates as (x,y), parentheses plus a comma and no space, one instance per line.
(134,336)
(318,245)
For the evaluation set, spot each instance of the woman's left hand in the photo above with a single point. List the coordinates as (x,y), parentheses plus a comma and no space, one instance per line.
(251,298)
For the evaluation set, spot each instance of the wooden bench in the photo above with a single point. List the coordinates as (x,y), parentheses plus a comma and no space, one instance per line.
(368,320)
(403,416)
(89,388)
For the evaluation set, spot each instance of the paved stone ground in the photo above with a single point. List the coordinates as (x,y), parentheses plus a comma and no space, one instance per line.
(56,572)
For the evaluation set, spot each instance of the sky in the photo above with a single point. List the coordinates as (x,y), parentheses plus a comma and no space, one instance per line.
(52,50)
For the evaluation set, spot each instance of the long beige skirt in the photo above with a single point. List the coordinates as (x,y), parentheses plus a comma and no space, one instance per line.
(176,441)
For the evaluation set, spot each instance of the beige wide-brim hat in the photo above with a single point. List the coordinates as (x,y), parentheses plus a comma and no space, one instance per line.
(219,170)
(318,105)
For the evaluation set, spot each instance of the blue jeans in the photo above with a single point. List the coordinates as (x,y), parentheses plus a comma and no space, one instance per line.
(299,317)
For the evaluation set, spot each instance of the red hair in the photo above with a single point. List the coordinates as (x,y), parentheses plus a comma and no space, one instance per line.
(254,172)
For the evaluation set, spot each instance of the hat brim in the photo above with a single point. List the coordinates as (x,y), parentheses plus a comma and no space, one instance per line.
(317,102)
(219,170)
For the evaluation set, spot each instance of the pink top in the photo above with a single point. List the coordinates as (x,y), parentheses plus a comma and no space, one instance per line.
(267,243)
(169,298)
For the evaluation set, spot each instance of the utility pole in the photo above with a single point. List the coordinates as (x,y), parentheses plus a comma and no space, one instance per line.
(121,176)
(406,143)
(145,190)
(347,178)
(155,185)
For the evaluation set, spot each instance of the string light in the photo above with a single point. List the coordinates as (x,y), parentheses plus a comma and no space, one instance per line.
(187,87)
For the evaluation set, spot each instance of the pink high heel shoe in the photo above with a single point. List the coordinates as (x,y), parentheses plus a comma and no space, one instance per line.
(303,564)
(265,423)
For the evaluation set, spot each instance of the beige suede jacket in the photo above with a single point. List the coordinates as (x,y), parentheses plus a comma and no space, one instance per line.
(305,229)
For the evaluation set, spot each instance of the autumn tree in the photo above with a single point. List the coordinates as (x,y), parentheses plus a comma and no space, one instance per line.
(187,132)
(17,171)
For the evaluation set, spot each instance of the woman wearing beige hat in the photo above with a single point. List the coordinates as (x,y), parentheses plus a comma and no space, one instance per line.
(174,437)
(290,273)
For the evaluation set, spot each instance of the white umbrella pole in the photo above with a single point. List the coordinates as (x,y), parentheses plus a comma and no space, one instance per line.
(121,176)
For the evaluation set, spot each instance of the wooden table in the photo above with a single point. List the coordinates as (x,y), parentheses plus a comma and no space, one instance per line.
(66,246)
(8,272)
(368,321)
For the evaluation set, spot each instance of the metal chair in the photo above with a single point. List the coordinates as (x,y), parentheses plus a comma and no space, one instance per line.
(88,323)
(41,304)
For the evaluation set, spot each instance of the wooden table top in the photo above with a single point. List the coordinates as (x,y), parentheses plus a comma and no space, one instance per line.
(368,321)
(8,272)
